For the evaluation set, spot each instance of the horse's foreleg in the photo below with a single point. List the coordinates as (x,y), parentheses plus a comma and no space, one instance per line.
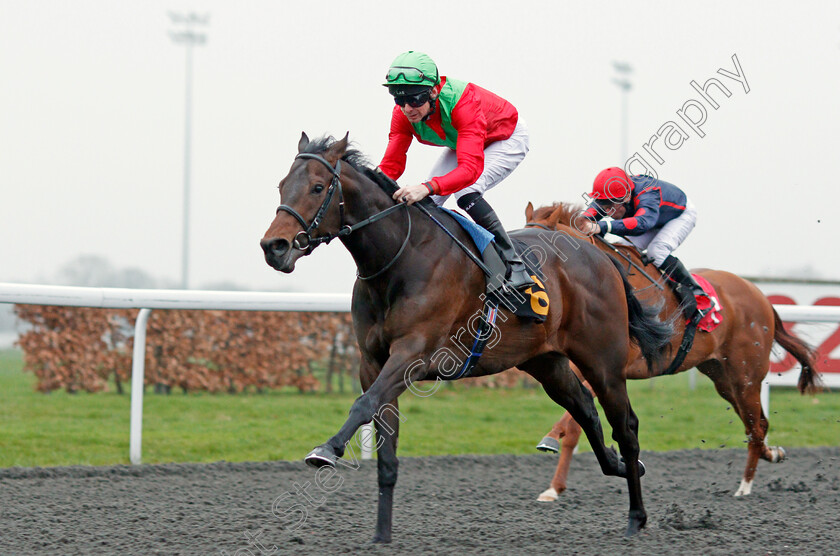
(569,432)
(371,405)
(551,441)
(387,431)
(566,433)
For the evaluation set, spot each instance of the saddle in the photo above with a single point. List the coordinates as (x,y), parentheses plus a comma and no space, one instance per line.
(490,261)
(706,319)
(532,303)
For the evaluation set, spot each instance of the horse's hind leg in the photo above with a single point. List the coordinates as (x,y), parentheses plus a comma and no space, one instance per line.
(564,388)
(625,425)
(742,389)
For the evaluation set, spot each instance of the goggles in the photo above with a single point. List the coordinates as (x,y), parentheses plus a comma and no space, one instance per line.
(409,74)
(415,101)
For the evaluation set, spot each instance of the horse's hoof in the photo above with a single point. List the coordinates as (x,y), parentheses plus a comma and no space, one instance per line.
(642,468)
(549,495)
(381,539)
(635,524)
(633,528)
(321,456)
(548,444)
(745,488)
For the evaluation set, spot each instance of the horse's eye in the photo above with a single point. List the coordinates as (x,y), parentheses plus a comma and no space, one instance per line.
(318,188)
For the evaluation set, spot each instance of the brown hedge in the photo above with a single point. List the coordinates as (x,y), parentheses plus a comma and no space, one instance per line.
(75,349)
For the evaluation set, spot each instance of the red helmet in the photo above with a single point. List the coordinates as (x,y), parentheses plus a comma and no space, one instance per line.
(611,183)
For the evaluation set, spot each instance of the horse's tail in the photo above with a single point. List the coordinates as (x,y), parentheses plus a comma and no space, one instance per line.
(809,378)
(646,330)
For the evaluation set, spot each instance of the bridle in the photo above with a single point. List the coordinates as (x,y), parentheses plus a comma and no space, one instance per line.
(303,240)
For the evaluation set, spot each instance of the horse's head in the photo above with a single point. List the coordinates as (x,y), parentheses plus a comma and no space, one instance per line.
(551,216)
(312,204)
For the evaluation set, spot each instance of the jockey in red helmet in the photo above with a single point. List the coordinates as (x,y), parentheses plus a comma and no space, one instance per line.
(652,214)
(484,140)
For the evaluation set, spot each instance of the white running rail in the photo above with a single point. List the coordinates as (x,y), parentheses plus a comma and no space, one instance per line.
(146,300)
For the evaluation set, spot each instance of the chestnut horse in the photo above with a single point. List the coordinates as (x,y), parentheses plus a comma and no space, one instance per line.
(735,355)
(417,291)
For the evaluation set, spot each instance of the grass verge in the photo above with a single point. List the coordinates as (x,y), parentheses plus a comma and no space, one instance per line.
(92,429)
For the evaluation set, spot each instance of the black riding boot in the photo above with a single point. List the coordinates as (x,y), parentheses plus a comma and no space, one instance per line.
(683,285)
(483,215)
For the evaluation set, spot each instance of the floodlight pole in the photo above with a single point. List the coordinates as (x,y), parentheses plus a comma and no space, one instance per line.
(623,82)
(188,37)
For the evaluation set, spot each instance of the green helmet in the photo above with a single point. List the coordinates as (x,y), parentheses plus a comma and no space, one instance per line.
(411,72)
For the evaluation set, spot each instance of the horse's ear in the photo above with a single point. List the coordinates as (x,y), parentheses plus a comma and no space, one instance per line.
(304,141)
(556,214)
(337,149)
(529,212)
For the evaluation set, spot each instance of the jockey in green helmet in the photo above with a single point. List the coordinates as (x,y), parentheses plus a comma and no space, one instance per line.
(483,135)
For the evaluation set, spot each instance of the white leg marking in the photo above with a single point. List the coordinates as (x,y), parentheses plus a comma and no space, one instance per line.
(549,495)
(745,488)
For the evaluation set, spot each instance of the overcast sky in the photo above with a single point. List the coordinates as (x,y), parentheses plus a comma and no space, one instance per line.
(92,122)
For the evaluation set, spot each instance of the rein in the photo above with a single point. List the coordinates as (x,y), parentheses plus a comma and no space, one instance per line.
(630,261)
(458,242)
(612,247)
(304,241)
(538,225)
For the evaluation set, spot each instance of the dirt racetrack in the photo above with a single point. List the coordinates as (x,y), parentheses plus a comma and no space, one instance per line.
(444,505)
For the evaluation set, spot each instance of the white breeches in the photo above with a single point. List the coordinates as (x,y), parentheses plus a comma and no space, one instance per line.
(661,242)
(500,159)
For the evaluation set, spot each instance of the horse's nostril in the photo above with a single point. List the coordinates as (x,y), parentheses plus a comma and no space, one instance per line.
(276,247)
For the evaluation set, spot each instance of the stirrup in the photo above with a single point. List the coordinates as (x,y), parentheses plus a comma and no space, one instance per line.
(699,314)
(524,282)
(709,309)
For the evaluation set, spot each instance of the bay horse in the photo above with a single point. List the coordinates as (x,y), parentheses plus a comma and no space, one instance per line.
(416,291)
(735,355)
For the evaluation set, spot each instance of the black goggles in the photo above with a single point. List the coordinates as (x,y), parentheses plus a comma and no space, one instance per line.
(409,74)
(415,101)
(607,202)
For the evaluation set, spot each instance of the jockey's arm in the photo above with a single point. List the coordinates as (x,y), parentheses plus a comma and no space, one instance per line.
(399,139)
(593,213)
(643,218)
(469,121)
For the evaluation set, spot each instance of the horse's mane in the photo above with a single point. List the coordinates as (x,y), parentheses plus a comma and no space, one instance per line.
(566,212)
(355,158)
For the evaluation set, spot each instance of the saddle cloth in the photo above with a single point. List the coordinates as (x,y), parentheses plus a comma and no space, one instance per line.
(713,318)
